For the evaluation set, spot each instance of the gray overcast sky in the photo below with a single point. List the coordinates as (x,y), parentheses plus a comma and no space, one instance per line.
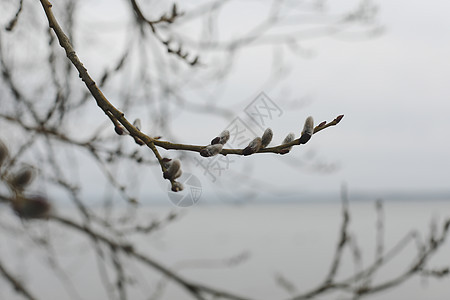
(395,94)
(393,90)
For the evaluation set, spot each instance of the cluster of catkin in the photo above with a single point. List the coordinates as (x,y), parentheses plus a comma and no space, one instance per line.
(173,167)
(259,143)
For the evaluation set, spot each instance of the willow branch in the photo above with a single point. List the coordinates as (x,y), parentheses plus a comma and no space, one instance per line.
(117,116)
(101,100)
(276,149)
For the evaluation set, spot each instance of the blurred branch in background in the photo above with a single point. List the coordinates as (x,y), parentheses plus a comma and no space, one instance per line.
(364,282)
(358,285)
(154,67)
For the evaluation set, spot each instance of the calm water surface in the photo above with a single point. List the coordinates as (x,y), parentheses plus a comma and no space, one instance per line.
(244,249)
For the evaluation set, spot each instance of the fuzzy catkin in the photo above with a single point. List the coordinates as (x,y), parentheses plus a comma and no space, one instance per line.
(253,146)
(211,150)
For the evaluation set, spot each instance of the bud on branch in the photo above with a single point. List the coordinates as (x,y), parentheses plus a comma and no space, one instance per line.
(288,139)
(266,138)
(211,150)
(174,170)
(253,147)
(308,130)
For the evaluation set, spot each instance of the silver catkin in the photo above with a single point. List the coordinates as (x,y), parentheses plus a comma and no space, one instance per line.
(253,146)
(173,170)
(288,139)
(308,130)
(266,138)
(224,137)
(211,150)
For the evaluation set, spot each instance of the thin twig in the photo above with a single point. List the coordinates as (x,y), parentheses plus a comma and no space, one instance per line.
(15,283)
(193,288)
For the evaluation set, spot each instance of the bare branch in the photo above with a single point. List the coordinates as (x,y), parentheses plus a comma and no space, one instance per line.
(15,283)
